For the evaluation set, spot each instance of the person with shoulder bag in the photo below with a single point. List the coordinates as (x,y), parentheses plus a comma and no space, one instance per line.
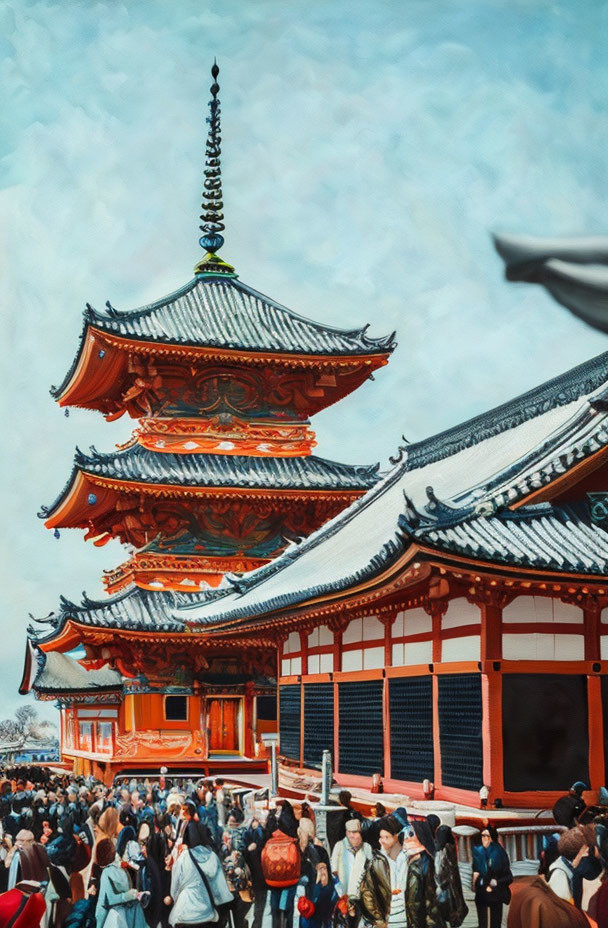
(199,891)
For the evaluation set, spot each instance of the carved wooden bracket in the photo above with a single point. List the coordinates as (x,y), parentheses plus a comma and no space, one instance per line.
(484,593)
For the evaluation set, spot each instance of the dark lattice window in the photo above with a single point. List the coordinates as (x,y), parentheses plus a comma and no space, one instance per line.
(266,708)
(176,708)
(289,721)
(411,709)
(460,731)
(361,728)
(545,730)
(318,722)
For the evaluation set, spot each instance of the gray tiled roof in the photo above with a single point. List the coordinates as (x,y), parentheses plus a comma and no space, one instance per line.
(137,463)
(134,608)
(541,537)
(59,673)
(560,391)
(225,313)
(479,477)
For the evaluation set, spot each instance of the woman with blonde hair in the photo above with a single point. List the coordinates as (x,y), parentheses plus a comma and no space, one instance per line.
(108,825)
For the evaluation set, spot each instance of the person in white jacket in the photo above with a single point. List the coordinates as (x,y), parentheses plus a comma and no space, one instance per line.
(198,884)
(349,857)
(572,846)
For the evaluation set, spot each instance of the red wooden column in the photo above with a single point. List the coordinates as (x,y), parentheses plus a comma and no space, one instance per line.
(249,745)
(592,610)
(337,624)
(436,606)
(491,600)
(302,722)
(592,617)
(280,639)
(387,620)
(304,650)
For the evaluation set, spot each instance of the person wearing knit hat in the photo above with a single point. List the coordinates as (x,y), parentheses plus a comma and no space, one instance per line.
(118,905)
(349,857)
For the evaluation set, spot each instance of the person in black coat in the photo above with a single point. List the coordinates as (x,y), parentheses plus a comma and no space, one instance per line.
(491,878)
(254,839)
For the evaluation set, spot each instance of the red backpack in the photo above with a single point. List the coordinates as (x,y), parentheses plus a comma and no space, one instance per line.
(281,860)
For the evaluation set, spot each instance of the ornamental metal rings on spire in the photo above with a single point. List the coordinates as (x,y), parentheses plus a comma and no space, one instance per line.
(212,203)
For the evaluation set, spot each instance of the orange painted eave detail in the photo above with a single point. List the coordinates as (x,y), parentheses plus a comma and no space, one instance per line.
(74,502)
(93,337)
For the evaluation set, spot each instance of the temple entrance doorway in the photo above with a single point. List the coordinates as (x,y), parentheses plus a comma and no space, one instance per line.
(224,724)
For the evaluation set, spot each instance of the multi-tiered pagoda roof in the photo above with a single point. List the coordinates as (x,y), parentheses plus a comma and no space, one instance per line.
(223,380)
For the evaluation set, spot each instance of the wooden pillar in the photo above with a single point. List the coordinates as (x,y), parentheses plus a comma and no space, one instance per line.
(597,760)
(592,616)
(386,727)
(337,624)
(491,598)
(437,777)
(302,720)
(493,758)
(388,620)
(491,630)
(249,740)
(304,650)
(337,651)
(336,727)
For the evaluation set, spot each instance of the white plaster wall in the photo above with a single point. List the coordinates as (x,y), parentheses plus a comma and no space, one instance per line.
(373,658)
(541,609)
(540,647)
(352,660)
(418,652)
(461,612)
(292,644)
(467,648)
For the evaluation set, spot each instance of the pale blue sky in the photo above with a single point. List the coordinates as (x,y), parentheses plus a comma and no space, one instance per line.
(369,150)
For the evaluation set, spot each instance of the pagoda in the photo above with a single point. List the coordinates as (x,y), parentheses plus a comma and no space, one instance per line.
(217,479)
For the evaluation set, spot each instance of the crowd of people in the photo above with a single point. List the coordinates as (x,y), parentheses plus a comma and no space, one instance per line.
(154,854)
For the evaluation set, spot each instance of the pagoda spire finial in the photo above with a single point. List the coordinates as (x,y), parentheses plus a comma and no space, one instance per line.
(212,216)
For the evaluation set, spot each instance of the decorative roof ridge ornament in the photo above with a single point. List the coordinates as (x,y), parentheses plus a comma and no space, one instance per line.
(212,205)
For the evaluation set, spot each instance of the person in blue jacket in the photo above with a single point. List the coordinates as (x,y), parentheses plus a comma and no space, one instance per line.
(491,878)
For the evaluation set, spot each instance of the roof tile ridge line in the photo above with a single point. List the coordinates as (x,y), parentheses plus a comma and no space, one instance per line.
(345,333)
(141,310)
(500,492)
(94,605)
(568,429)
(328,530)
(514,406)
(136,450)
(56,392)
(395,545)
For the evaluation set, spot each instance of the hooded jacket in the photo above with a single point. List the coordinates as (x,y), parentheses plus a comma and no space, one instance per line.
(191,902)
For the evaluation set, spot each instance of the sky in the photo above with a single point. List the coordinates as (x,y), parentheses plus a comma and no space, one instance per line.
(369,151)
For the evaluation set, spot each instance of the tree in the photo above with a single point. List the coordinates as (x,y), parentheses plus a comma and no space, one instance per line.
(26,725)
